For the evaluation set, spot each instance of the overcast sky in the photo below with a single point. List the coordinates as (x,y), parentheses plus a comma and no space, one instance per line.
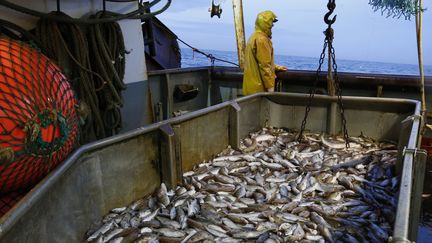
(360,33)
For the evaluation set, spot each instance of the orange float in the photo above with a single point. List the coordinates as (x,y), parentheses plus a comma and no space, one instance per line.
(38,121)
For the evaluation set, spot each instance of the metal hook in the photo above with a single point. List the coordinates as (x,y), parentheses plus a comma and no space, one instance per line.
(331,5)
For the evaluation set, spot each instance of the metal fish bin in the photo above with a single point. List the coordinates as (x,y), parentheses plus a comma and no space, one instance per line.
(115,171)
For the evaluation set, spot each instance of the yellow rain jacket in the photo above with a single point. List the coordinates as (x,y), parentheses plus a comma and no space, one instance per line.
(259,67)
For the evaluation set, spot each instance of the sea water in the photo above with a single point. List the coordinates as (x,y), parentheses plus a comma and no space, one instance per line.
(195,59)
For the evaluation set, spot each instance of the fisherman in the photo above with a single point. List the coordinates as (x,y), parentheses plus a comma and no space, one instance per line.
(259,69)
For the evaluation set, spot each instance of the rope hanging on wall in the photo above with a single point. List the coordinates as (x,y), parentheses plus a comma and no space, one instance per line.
(107,55)
(67,45)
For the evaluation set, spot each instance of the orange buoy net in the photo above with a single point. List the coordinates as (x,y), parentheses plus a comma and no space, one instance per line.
(38,119)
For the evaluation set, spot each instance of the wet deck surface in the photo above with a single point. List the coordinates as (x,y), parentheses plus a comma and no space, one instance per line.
(425,227)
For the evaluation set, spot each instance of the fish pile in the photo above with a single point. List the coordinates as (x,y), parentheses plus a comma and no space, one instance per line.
(272,189)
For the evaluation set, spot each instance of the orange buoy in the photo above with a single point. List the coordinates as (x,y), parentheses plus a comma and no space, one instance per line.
(38,121)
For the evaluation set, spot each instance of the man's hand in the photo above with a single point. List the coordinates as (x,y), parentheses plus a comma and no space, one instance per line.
(280,68)
(270,89)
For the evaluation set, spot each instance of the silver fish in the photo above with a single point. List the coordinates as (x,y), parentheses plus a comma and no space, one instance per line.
(102,230)
(118,210)
(314,238)
(216,232)
(247,234)
(264,137)
(273,189)
(170,233)
(189,236)
(273,166)
(112,234)
(193,208)
(150,216)
(200,236)
(169,223)
(162,195)
(146,230)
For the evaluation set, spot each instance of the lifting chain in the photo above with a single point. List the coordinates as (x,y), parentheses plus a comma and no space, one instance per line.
(328,43)
(312,91)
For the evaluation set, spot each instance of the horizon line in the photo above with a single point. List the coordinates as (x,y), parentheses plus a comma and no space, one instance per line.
(384,62)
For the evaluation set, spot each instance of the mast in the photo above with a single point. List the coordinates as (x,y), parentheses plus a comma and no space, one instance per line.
(239,29)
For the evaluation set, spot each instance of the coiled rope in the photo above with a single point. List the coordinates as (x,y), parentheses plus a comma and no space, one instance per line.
(107,52)
(67,45)
(95,64)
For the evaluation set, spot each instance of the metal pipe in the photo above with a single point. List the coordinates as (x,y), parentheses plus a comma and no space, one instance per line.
(403,219)
(361,80)
(239,29)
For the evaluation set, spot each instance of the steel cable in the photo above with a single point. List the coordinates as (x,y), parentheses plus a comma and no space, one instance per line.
(209,56)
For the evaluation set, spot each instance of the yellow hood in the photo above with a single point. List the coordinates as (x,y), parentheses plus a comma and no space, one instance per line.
(264,22)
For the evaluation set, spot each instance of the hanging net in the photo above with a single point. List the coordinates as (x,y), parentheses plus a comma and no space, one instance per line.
(38,122)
